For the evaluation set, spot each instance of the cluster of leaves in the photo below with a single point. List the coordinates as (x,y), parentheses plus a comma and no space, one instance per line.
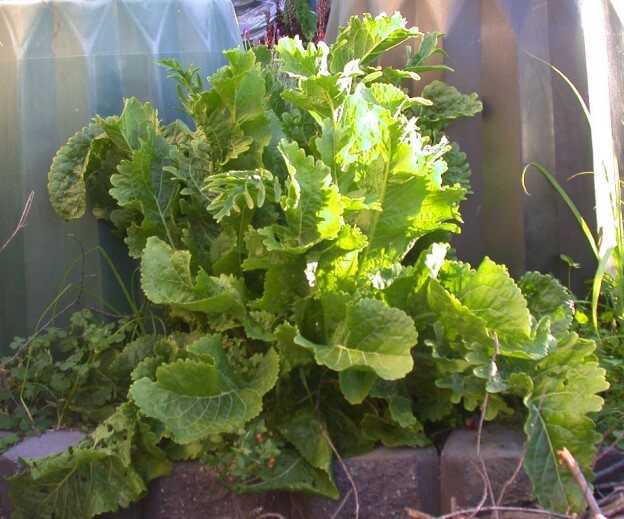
(609,334)
(277,235)
(63,376)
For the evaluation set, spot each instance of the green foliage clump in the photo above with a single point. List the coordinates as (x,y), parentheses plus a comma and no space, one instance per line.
(276,236)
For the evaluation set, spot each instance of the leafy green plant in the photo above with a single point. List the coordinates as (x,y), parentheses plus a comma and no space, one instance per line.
(276,237)
(603,316)
(64,377)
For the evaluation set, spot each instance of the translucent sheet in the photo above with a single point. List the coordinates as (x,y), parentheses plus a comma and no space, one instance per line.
(60,63)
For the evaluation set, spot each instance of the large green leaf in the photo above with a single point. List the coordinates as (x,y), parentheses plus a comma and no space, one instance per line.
(195,399)
(458,320)
(166,278)
(78,483)
(371,335)
(320,96)
(66,178)
(546,297)
(566,387)
(382,159)
(448,104)
(301,62)
(144,186)
(311,204)
(132,127)
(366,38)
(293,473)
(233,117)
(307,433)
(284,279)
(391,434)
(494,297)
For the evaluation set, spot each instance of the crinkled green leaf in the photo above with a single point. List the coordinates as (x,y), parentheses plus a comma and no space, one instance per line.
(566,387)
(546,297)
(366,38)
(336,266)
(307,433)
(195,399)
(233,117)
(78,483)
(137,351)
(449,104)
(311,204)
(166,278)
(132,127)
(293,473)
(299,61)
(230,192)
(355,384)
(318,95)
(291,354)
(284,280)
(66,178)
(427,49)
(391,434)
(192,165)
(371,335)
(494,297)
(458,171)
(126,435)
(388,163)
(457,319)
(144,186)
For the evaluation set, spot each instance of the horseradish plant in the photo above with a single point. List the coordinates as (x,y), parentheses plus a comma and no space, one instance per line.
(276,237)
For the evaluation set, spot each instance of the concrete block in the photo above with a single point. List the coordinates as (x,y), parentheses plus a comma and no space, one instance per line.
(194,491)
(387,480)
(461,484)
(50,442)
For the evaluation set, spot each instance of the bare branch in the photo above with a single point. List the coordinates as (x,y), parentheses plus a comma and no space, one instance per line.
(22,221)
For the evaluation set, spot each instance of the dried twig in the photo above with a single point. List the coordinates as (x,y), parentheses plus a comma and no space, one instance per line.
(342,503)
(614,506)
(615,468)
(347,473)
(516,509)
(512,478)
(568,460)
(22,221)
(483,472)
(415,514)
(67,307)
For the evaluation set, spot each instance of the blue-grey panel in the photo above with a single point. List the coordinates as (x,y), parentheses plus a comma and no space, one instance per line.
(61,62)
